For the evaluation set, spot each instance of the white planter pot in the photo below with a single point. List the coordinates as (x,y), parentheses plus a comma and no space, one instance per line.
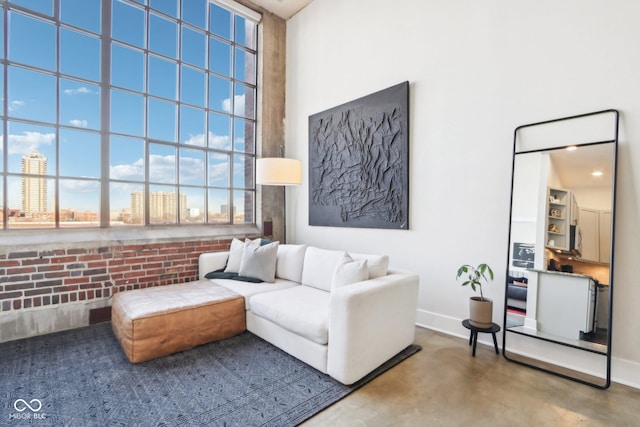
(480,312)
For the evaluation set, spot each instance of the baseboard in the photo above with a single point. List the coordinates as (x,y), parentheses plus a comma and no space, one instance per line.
(623,371)
(15,325)
(451,326)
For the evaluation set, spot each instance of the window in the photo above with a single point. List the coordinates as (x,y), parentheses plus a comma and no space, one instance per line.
(148,117)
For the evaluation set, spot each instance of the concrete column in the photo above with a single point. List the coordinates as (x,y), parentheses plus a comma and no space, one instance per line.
(272,123)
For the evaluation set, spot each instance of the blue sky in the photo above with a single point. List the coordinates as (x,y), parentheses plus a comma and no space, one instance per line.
(31,95)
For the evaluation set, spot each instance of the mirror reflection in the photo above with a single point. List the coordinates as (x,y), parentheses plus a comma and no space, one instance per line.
(560,245)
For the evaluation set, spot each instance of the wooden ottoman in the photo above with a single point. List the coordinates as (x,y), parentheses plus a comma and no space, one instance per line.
(158,321)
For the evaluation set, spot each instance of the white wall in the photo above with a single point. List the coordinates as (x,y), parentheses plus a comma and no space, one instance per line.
(477,69)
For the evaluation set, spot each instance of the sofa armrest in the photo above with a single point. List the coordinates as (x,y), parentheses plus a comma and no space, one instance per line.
(211,261)
(370,322)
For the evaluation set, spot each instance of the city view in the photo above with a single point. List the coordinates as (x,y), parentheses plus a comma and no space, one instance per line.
(162,134)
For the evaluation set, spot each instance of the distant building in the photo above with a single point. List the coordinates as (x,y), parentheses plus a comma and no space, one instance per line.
(162,207)
(34,190)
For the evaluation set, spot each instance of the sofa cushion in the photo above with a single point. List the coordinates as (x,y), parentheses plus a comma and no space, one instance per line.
(319,265)
(289,262)
(302,310)
(349,271)
(247,290)
(377,264)
(259,261)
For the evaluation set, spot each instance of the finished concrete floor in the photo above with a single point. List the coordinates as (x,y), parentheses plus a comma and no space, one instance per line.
(442,385)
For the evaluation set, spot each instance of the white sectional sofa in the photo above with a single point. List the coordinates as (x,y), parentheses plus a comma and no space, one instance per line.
(344,314)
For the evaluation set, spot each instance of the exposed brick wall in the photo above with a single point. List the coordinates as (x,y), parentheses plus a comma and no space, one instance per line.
(33,279)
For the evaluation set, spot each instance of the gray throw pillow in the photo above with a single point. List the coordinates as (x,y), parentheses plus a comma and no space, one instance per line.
(259,261)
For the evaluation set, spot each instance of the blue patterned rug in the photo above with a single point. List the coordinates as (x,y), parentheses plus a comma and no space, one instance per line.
(82,378)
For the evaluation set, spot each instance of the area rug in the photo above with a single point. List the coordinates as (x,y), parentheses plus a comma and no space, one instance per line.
(82,378)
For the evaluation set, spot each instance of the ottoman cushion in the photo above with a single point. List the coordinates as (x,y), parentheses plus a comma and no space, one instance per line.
(158,321)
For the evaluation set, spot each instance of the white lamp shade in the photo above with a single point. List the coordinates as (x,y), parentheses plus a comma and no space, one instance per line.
(278,171)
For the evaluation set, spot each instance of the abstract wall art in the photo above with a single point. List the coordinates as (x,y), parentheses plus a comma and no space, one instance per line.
(359,162)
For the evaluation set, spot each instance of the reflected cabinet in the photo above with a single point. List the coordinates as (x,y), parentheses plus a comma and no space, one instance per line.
(558,296)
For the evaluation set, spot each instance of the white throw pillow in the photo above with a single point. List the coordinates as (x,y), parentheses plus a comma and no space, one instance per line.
(349,272)
(319,265)
(377,264)
(259,261)
(290,261)
(235,256)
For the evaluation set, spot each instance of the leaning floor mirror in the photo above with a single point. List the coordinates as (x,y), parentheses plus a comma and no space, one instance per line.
(559,290)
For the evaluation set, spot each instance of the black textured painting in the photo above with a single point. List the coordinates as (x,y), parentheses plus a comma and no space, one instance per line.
(359,162)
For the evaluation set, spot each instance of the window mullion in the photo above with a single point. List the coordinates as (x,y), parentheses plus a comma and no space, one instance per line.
(105,113)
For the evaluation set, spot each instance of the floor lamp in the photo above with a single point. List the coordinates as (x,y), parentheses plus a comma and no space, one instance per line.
(282,172)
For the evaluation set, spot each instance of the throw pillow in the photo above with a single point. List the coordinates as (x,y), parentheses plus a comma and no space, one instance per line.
(349,271)
(259,261)
(377,264)
(235,254)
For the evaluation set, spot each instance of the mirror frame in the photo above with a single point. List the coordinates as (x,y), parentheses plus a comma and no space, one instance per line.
(547,367)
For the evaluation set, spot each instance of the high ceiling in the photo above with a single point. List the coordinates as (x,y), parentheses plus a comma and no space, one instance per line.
(283,8)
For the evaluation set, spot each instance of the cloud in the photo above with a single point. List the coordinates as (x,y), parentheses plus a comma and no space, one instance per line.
(29,141)
(80,91)
(79,123)
(14,105)
(218,172)
(78,186)
(222,142)
(162,168)
(215,141)
(134,171)
(198,140)
(191,170)
(238,102)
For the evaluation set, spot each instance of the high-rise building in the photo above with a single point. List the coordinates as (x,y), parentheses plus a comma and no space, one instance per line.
(162,206)
(137,207)
(34,190)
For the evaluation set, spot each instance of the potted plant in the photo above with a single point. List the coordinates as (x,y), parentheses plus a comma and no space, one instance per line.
(480,308)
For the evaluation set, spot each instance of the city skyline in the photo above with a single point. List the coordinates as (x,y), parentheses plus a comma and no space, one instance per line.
(179,96)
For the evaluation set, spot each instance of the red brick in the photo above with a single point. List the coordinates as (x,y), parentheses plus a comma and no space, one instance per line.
(134,274)
(7,295)
(33,292)
(37,301)
(9,263)
(64,259)
(35,261)
(119,269)
(17,255)
(119,261)
(22,270)
(97,264)
(74,280)
(57,274)
(57,267)
(65,288)
(93,257)
(17,304)
(76,251)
